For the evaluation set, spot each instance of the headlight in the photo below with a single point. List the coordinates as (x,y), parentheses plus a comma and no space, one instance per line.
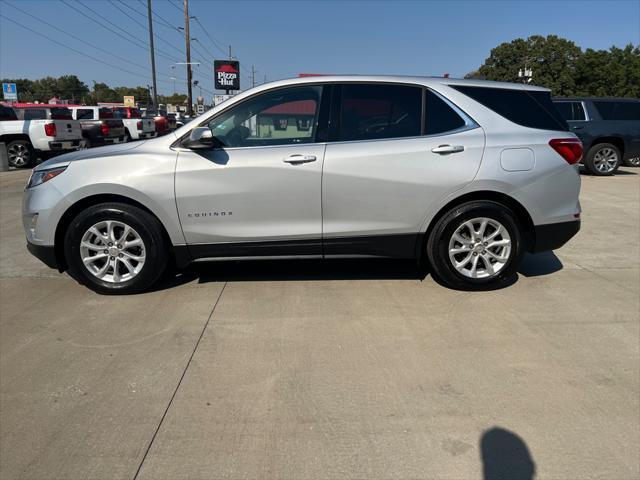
(38,177)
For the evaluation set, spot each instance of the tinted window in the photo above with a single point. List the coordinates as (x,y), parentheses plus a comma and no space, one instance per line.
(370,112)
(440,117)
(618,110)
(119,113)
(84,114)
(7,113)
(34,114)
(281,117)
(528,108)
(570,110)
(61,113)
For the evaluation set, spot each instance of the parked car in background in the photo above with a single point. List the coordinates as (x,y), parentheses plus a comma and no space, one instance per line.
(467,174)
(164,122)
(609,129)
(136,127)
(37,130)
(99,127)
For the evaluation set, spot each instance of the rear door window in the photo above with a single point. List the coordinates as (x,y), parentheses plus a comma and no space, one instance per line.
(529,108)
(61,113)
(440,117)
(7,113)
(34,114)
(610,110)
(379,111)
(84,114)
(105,113)
(571,111)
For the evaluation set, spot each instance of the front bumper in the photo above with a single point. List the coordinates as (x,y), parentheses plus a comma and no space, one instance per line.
(44,253)
(554,235)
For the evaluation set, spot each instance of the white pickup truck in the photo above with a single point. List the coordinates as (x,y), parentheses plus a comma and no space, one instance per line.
(136,127)
(38,130)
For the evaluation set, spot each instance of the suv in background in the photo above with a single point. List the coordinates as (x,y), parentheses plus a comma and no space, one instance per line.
(609,129)
(136,127)
(99,127)
(467,174)
(31,130)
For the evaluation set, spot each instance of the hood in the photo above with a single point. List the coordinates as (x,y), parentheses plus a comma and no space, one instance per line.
(65,159)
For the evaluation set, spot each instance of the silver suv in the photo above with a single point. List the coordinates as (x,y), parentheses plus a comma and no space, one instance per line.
(466,174)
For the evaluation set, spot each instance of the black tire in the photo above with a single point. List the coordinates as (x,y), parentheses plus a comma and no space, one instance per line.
(438,245)
(21,154)
(632,162)
(146,225)
(590,159)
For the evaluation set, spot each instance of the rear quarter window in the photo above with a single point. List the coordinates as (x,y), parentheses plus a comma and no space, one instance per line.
(571,111)
(105,113)
(609,110)
(529,108)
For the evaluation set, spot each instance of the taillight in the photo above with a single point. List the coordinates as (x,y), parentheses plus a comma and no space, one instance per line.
(569,148)
(104,128)
(50,129)
(139,125)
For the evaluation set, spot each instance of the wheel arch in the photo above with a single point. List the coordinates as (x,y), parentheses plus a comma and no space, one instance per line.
(10,137)
(522,215)
(83,203)
(614,140)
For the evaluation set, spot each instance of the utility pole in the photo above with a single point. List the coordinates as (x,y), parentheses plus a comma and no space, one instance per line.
(253,75)
(230,57)
(188,47)
(265,78)
(153,55)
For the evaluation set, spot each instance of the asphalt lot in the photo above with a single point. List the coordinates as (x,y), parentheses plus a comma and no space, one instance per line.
(329,370)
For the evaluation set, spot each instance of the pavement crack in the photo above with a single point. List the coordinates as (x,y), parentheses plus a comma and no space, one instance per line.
(184,372)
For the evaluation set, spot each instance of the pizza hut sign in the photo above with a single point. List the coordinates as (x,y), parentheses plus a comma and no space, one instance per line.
(226,74)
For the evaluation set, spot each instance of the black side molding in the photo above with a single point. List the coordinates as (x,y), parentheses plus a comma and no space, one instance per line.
(554,235)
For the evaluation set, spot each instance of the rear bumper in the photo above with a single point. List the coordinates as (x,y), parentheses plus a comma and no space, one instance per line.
(554,235)
(45,253)
(64,144)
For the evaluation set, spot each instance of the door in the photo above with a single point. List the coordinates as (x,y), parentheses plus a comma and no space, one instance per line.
(258,193)
(395,151)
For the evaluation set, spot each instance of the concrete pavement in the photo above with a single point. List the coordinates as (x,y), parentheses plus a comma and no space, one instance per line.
(352,369)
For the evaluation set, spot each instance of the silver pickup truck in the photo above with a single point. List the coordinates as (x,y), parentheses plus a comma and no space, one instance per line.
(38,131)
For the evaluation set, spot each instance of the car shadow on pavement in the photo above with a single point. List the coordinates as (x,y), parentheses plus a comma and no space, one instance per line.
(505,456)
(539,264)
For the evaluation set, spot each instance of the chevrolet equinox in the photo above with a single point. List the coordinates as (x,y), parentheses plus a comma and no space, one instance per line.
(466,174)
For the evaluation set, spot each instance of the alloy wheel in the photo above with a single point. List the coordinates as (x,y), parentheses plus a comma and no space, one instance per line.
(606,160)
(112,251)
(18,155)
(480,248)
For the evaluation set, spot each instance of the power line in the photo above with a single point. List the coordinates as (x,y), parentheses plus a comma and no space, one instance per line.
(75,37)
(215,44)
(135,41)
(73,49)
(146,28)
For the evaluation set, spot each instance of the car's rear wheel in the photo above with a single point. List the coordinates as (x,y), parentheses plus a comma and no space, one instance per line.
(20,154)
(603,159)
(115,248)
(632,162)
(475,245)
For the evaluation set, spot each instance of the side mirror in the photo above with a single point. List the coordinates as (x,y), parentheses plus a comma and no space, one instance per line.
(199,139)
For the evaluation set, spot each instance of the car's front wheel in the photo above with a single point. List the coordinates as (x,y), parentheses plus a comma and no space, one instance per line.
(603,159)
(115,248)
(475,245)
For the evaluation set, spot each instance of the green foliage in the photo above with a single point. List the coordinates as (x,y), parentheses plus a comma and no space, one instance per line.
(560,65)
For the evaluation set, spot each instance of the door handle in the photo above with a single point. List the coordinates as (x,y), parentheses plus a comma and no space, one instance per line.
(577,127)
(297,159)
(444,149)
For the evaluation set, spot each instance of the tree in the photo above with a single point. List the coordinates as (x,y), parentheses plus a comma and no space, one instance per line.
(552,59)
(612,73)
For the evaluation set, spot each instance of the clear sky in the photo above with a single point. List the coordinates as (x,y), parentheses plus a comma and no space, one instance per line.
(284,38)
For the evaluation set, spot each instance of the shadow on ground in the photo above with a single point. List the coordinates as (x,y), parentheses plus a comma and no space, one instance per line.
(505,456)
(336,269)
